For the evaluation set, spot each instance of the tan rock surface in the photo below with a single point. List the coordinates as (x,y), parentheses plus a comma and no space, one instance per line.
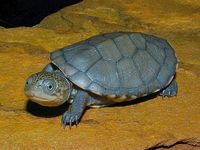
(138,125)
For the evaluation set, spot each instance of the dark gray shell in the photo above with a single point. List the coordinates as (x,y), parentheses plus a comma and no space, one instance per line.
(120,63)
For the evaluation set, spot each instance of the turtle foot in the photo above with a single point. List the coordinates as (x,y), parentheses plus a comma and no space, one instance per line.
(170,90)
(70,118)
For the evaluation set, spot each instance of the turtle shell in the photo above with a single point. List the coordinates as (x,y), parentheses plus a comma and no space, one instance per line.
(118,64)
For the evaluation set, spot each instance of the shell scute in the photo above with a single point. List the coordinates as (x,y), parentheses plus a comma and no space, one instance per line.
(123,64)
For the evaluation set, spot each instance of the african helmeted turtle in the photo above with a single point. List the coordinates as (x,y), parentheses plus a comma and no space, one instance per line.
(102,70)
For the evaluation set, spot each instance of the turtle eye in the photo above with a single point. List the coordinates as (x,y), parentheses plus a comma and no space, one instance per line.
(50,86)
(29,80)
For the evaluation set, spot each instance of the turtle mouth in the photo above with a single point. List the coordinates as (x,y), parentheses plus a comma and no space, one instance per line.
(36,98)
(46,102)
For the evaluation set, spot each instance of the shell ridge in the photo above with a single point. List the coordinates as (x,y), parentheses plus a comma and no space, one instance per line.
(118,50)
(93,64)
(117,71)
(160,66)
(163,65)
(96,50)
(121,78)
(151,54)
(53,57)
(63,56)
(139,72)
(133,44)
(164,46)
(104,35)
(79,47)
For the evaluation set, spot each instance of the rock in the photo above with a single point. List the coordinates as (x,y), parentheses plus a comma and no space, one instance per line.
(141,124)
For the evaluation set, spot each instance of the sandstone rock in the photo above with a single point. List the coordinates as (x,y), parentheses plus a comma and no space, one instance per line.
(141,124)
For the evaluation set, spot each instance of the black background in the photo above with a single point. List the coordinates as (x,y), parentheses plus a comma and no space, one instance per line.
(14,13)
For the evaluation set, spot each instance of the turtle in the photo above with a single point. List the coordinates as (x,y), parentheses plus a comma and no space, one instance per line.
(103,70)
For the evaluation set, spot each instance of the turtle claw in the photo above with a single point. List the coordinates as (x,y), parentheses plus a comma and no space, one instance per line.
(70,118)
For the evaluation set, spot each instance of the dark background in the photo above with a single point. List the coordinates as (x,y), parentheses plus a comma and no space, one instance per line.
(14,13)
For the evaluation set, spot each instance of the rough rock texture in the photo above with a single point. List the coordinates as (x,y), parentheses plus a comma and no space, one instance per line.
(146,123)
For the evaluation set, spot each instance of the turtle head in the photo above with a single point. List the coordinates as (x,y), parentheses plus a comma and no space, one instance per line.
(48,88)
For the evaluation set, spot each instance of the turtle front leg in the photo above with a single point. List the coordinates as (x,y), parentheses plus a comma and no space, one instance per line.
(77,108)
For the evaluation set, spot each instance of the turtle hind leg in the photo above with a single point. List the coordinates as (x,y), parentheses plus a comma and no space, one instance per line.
(170,90)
